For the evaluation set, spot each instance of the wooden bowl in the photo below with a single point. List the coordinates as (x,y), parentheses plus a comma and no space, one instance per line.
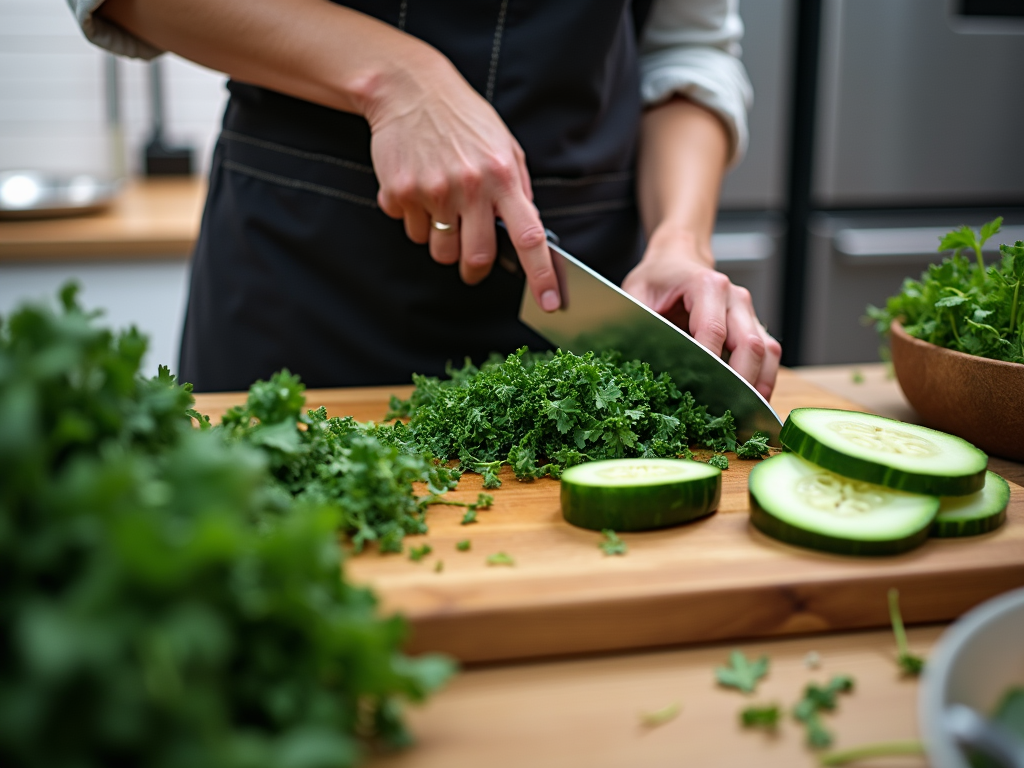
(978,399)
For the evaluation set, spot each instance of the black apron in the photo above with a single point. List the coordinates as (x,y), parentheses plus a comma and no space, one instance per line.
(296,266)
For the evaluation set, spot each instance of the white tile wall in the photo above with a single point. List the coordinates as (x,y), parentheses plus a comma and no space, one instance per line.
(53,118)
(52,113)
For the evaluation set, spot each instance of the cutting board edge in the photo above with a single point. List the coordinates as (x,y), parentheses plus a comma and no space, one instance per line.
(775,610)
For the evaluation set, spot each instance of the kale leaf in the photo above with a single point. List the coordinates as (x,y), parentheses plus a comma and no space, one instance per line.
(365,470)
(755,448)
(542,413)
(719,460)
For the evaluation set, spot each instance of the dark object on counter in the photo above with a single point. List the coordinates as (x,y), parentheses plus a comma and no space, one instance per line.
(162,159)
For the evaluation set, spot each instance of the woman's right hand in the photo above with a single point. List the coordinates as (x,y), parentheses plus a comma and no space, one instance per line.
(442,154)
(440,151)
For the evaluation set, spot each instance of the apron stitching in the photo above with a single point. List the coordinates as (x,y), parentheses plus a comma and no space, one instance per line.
(572,210)
(560,181)
(401,14)
(495,50)
(262,144)
(284,181)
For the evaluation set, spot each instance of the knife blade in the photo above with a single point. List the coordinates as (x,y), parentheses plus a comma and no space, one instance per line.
(596,316)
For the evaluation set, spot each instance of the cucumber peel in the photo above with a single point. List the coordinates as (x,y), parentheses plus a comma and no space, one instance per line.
(799,503)
(886,452)
(639,494)
(978,513)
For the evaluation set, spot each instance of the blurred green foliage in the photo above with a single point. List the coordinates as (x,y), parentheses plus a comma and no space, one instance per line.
(164,603)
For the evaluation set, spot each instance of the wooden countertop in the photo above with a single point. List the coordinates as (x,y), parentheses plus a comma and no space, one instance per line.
(152,218)
(585,711)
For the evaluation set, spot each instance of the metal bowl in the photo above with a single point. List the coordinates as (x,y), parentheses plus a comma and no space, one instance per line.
(977,659)
(32,195)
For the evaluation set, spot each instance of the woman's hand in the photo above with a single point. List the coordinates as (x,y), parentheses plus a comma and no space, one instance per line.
(675,279)
(683,153)
(443,155)
(440,151)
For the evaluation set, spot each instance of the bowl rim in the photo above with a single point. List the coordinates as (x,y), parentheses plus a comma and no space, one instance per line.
(932,691)
(896,328)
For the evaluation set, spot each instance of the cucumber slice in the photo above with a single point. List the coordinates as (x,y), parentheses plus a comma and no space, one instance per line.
(884,451)
(980,512)
(800,503)
(639,494)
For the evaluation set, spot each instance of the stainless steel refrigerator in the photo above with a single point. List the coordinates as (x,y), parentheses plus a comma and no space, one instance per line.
(749,235)
(919,127)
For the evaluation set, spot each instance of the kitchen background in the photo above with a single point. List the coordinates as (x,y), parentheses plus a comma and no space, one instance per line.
(878,124)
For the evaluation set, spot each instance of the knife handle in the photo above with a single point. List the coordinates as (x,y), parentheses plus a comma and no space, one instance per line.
(507,256)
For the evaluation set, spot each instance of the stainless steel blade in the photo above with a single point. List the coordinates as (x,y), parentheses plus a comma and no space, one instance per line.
(596,315)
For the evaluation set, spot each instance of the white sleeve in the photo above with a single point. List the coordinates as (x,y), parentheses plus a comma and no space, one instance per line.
(101,32)
(691,48)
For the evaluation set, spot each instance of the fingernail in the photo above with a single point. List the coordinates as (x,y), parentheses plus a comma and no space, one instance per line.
(549,301)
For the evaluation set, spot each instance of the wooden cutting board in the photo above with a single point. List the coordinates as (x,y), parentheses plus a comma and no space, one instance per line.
(715,579)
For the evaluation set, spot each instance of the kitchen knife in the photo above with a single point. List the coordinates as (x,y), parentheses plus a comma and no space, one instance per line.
(596,315)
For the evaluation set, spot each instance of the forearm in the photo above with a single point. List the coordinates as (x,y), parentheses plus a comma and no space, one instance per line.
(682,157)
(312,49)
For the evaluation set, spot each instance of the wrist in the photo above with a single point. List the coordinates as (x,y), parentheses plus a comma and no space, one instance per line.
(396,80)
(673,240)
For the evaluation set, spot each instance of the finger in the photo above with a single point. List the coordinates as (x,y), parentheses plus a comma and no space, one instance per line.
(479,244)
(765,383)
(417,224)
(444,243)
(389,204)
(524,173)
(527,235)
(745,341)
(708,310)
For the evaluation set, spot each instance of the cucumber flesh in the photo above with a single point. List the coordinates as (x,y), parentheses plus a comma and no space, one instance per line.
(980,512)
(800,503)
(639,494)
(877,450)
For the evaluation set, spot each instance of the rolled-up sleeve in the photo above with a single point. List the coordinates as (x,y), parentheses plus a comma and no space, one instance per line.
(101,32)
(692,48)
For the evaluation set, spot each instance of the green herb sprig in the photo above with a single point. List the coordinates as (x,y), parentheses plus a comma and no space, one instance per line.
(765,716)
(910,664)
(418,553)
(960,303)
(818,699)
(742,673)
(612,543)
(658,717)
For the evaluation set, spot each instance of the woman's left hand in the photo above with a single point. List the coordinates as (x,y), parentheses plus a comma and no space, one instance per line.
(675,279)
